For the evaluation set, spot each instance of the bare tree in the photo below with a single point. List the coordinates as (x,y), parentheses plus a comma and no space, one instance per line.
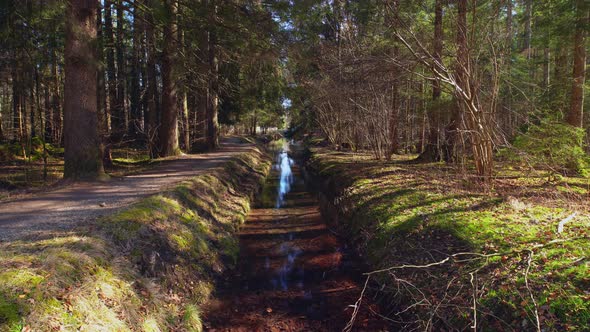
(464,88)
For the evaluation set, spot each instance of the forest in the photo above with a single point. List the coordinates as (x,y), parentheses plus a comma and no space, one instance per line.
(447,83)
(444,143)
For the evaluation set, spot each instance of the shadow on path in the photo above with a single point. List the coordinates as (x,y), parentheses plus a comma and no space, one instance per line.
(81,203)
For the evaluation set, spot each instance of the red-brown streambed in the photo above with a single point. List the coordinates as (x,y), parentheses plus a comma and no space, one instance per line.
(294,274)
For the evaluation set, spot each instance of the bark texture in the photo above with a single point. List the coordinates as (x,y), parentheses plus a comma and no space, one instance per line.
(82,153)
(169,129)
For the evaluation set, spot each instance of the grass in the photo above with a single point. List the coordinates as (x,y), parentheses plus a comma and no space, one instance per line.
(402,213)
(145,268)
(67,282)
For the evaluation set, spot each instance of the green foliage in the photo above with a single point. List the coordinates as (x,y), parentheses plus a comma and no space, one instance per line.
(192,319)
(558,146)
(9,314)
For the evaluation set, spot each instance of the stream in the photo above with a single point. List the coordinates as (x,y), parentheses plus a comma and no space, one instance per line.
(294,273)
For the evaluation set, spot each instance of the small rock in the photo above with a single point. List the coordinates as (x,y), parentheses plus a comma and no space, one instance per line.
(103,204)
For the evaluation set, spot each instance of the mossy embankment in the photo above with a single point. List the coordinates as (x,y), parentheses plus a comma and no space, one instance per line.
(516,270)
(145,268)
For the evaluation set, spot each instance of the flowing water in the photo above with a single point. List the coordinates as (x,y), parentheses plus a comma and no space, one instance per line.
(294,274)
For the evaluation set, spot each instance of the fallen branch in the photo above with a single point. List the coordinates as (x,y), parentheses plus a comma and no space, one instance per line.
(526,282)
(565,221)
(457,258)
(356,307)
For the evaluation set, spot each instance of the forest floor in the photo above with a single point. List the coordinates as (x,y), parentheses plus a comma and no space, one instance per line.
(25,176)
(73,205)
(515,252)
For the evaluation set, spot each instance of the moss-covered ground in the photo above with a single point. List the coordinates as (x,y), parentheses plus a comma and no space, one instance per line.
(146,268)
(517,269)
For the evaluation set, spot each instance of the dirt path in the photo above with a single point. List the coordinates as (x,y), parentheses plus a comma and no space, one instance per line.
(293,274)
(81,203)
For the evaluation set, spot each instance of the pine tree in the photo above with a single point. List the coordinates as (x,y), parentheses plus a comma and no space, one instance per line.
(82,153)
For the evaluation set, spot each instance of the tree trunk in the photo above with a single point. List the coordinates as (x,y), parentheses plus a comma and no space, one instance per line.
(507,102)
(103,121)
(475,119)
(134,95)
(1,119)
(113,117)
(432,151)
(182,88)
(48,110)
(32,107)
(17,122)
(202,96)
(121,124)
(152,127)
(2,96)
(546,67)
(111,111)
(40,115)
(56,102)
(576,112)
(169,129)
(462,76)
(185,122)
(82,153)
(528,30)
(394,120)
(213,102)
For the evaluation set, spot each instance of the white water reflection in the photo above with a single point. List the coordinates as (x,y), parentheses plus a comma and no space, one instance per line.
(284,163)
(282,279)
(283,166)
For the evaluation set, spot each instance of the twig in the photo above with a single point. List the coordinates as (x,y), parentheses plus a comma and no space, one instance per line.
(456,258)
(409,266)
(357,306)
(526,282)
(471,280)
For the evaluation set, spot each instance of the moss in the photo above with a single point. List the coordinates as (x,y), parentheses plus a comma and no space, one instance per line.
(230,248)
(399,213)
(10,316)
(574,308)
(125,225)
(183,240)
(18,279)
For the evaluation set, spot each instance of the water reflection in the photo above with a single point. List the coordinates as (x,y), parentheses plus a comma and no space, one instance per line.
(284,163)
(285,270)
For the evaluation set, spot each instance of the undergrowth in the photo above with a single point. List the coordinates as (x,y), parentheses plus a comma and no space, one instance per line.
(414,214)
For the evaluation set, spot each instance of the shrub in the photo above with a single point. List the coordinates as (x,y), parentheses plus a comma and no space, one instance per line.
(558,146)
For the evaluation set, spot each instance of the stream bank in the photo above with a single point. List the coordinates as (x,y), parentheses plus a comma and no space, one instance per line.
(452,255)
(147,267)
